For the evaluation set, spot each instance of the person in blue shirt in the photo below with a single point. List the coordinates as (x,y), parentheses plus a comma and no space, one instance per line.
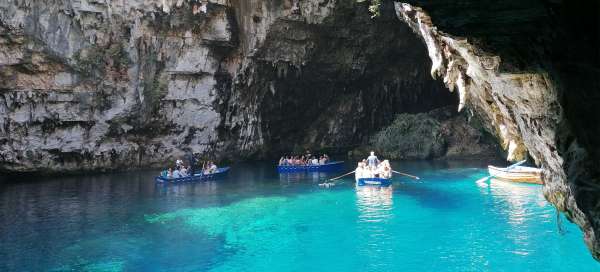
(372,160)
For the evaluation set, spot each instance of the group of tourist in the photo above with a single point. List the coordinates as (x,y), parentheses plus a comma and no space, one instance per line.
(307,159)
(182,171)
(373,168)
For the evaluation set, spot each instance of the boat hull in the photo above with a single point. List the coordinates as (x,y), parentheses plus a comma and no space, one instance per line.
(517,174)
(220,173)
(328,167)
(373,182)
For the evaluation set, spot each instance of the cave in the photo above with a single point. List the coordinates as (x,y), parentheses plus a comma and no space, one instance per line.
(346,79)
(94,86)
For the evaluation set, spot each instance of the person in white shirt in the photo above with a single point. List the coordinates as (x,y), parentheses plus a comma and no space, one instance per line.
(373,161)
(213,167)
(358,172)
(314,161)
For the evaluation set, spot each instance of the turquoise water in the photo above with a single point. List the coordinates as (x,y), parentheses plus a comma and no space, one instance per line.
(257,220)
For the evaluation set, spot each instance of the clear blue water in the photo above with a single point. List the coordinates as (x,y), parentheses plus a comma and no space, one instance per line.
(257,220)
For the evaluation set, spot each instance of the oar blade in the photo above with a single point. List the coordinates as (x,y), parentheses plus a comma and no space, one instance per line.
(483,179)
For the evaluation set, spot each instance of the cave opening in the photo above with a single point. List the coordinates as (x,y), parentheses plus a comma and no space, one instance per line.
(356,75)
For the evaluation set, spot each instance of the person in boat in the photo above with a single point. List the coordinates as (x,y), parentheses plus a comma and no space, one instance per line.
(170,173)
(212,168)
(191,163)
(363,171)
(314,161)
(206,168)
(325,159)
(358,171)
(383,170)
(178,163)
(183,172)
(176,174)
(281,161)
(321,160)
(373,161)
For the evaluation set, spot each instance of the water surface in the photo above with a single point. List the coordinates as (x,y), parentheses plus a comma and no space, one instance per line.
(258,220)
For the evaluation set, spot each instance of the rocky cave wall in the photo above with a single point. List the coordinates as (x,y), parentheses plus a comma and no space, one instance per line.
(530,70)
(97,85)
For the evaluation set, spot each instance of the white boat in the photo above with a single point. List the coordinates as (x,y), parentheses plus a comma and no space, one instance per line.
(517,174)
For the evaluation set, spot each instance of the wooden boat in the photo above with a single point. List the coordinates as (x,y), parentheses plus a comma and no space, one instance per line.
(517,174)
(373,181)
(328,167)
(219,173)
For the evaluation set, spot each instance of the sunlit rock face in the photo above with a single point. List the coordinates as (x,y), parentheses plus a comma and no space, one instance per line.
(530,71)
(97,85)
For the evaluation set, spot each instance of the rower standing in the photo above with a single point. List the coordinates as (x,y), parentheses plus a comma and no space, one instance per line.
(372,160)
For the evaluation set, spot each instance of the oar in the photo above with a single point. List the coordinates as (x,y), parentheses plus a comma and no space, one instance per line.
(507,168)
(328,184)
(343,175)
(411,176)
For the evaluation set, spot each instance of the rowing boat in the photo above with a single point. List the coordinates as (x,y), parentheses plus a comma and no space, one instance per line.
(219,173)
(327,167)
(373,181)
(517,174)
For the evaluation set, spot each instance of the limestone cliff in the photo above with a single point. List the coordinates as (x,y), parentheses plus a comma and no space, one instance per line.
(530,72)
(95,85)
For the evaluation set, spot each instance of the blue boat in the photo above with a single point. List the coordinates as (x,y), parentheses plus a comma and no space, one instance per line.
(374,181)
(328,167)
(219,173)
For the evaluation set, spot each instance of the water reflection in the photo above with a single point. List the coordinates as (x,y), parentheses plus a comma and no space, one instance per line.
(293,177)
(517,198)
(375,205)
(517,203)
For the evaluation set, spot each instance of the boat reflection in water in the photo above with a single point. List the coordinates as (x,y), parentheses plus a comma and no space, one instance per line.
(292,177)
(375,211)
(515,202)
(374,202)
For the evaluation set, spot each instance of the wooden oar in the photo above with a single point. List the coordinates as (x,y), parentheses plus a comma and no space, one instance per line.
(507,168)
(329,184)
(343,175)
(404,174)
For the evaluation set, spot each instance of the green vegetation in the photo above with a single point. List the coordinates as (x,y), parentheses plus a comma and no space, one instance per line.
(90,62)
(93,61)
(373,7)
(118,55)
(154,84)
